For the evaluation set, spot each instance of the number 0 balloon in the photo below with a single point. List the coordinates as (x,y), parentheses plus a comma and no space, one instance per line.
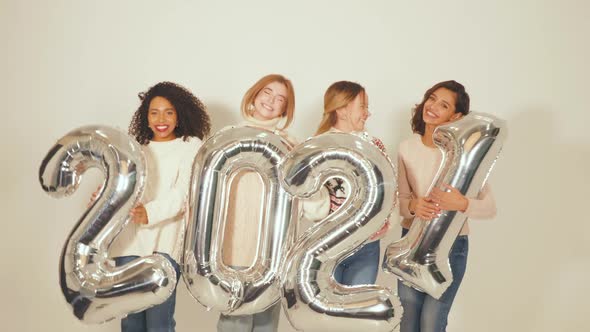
(213,283)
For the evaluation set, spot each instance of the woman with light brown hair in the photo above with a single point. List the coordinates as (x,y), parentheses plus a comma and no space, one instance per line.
(346,109)
(268,104)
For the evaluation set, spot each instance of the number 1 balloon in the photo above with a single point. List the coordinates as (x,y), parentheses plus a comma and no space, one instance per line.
(469,149)
(96,290)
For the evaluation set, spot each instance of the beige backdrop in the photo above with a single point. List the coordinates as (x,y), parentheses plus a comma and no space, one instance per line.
(71,63)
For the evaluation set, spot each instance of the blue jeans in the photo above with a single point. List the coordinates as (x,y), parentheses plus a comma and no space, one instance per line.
(422,312)
(361,268)
(266,321)
(159,318)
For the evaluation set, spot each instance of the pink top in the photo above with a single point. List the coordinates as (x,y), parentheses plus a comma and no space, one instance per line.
(417,167)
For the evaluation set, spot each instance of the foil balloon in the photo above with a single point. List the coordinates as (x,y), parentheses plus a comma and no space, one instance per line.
(212,282)
(470,147)
(312,299)
(96,290)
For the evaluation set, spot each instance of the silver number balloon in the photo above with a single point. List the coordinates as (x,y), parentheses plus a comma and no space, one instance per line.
(312,299)
(96,290)
(470,147)
(213,283)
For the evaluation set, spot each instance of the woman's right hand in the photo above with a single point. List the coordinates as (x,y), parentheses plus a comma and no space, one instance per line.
(424,208)
(94,196)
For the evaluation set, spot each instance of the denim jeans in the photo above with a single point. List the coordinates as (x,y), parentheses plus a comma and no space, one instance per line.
(159,318)
(361,268)
(422,312)
(266,321)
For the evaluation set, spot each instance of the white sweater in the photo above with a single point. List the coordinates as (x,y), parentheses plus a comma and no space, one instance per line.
(417,167)
(169,167)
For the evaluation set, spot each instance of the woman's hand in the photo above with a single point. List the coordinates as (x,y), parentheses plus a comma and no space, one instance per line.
(139,215)
(381,232)
(424,208)
(94,196)
(450,200)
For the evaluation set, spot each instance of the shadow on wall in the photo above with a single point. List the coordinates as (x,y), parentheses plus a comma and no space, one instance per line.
(401,130)
(535,247)
(222,116)
(306,123)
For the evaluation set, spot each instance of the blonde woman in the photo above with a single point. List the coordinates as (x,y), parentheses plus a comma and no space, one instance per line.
(346,109)
(268,104)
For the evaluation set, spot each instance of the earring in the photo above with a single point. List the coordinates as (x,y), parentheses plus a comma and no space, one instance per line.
(251,107)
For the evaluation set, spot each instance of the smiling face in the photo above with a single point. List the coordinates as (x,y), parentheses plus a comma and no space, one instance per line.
(440,107)
(359,111)
(270,102)
(353,116)
(162,119)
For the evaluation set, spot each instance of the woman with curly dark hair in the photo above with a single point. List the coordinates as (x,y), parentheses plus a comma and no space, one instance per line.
(192,119)
(169,124)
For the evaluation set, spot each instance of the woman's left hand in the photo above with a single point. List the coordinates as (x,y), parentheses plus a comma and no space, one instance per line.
(139,215)
(381,232)
(451,200)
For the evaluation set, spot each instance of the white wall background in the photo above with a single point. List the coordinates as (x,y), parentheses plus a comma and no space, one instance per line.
(69,63)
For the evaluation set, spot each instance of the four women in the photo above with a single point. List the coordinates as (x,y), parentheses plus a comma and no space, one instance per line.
(170,124)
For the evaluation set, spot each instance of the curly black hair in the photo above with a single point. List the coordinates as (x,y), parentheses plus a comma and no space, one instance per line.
(192,118)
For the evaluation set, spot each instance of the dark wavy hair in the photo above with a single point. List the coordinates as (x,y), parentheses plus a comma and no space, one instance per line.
(191,115)
(461,104)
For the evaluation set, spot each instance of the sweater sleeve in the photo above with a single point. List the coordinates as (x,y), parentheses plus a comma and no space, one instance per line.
(385,228)
(174,203)
(482,207)
(379,144)
(316,207)
(404,189)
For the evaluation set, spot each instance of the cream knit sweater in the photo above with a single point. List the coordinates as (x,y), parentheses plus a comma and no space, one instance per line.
(242,227)
(417,167)
(169,167)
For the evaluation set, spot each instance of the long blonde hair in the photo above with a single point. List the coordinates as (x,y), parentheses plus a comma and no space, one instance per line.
(338,95)
(258,86)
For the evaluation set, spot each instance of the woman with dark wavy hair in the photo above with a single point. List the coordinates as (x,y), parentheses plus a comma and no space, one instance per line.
(169,124)
(418,162)
(192,119)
